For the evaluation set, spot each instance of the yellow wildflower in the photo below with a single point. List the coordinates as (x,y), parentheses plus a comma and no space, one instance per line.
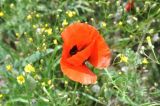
(110,15)
(49,82)
(120,73)
(120,23)
(104,24)
(20,79)
(66,82)
(49,31)
(92,19)
(151,31)
(30,40)
(25,33)
(42,29)
(70,13)
(145,61)
(149,41)
(11,5)
(34,26)
(44,46)
(1,14)
(43,84)
(29,17)
(57,28)
(17,35)
(55,41)
(61,29)
(64,23)
(9,67)
(108,3)
(131,36)
(123,58)
(37,77)
(1,95)
(51,87)
(46,25)
(37,15)
(137,26)
(29,68)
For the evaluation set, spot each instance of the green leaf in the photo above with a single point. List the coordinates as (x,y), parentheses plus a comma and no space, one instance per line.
(17,100)
(36,56)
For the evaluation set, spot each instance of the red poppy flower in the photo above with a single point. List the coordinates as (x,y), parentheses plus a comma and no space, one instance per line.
(82,42)
(129,6)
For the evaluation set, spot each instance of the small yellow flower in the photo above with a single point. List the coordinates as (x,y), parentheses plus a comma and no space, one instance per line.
(108,3)
(29,17)
(17,35)
(151,31)
(44,46)
(46,25)
(78,21)
(71,13)
(110,15)
(37,77)
(120,73)
(149,41)
(55,41)
(64,23)
(123,58)
(51,87)
(61,29)
(92,19)
(25,33)
(1,95)
(49,82)
(66,82)
(57,15)
(57,28)
(9,67)
(135,18)
(42,29)
(30,40)
(120,23)
(43,84)
(34,26)
(145,61)
(104,24)
(131,36)
(137,26)
(20,79)
(37,15)
(49,31)
(1,14)
(11,5)
(29,68)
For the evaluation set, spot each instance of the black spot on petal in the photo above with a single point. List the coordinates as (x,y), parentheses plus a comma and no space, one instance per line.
(74,50)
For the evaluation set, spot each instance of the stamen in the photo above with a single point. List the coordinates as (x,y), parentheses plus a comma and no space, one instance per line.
(74,50)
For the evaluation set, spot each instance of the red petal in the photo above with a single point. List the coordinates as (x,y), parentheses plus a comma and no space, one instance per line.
(79,34)
(78,73)
(80,57)
(129,6)
(101,54)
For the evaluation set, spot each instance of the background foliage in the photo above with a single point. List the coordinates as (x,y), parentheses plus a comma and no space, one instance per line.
(30,36)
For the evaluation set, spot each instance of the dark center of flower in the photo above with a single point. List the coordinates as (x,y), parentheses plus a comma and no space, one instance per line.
(74,50)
